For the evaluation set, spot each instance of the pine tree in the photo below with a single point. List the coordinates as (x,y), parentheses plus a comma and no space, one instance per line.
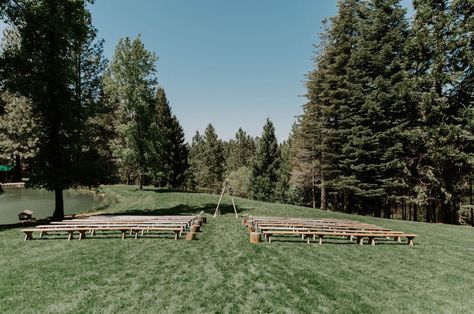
(129,85)
(44,69)
(378,92)
(180,152)
(194,160)
(240,151)
(306,154)
(206,159)
(265,166)
(171,152)
(328,117)
(442,63)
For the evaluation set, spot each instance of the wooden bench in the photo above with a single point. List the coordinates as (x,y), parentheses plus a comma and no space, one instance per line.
(358,235)
(84,229)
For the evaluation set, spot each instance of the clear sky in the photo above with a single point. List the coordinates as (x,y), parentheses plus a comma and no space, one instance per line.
(229,63)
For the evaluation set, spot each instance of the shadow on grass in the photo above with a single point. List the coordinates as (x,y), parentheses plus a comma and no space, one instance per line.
(25,224)
(177,210)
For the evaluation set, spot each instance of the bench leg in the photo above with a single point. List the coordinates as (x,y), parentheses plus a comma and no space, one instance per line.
(269,238)
(28,235)
(321,240)
(398,239)
(176,236)
(308,238)
(371,240)
(123,233)
(82,235)
(360,240)
(136,234)
(70,235)
(410,241)
(143,232)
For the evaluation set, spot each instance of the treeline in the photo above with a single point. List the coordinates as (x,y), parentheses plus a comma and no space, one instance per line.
(256,168)
(68,117)
(388,127)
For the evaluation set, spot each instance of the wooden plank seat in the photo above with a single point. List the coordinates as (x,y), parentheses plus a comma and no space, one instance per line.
(357,234)
(312,224)
(82,230)
(116,223)
(138,218)
(322,226)
(329,229)
(93,227)
(187,222)
(315,223)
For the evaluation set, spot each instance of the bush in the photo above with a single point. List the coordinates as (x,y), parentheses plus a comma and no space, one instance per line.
(240,181)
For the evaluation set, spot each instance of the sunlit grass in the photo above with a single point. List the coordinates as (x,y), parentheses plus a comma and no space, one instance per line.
(223,273)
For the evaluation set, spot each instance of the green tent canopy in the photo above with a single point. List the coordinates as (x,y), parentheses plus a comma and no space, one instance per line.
(5,168)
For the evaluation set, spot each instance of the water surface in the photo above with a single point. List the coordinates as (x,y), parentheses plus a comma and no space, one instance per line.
(41,202)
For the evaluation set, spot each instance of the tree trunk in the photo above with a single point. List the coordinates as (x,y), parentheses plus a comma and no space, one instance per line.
(415,212)
(141,181)
(16,173)
(346,201)
(324,200)
(404,210)
(59,205)
(471,202)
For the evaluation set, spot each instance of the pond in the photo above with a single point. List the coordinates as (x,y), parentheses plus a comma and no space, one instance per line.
(41,202)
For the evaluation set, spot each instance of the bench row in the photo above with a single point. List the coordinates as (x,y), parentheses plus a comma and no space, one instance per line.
(93,229)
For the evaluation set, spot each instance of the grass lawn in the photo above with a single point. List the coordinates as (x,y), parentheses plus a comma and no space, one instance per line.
(223,273)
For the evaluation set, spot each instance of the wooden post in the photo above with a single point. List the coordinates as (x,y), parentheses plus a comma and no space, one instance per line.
(235,209)
(220,200)
(255,237)
(191,236)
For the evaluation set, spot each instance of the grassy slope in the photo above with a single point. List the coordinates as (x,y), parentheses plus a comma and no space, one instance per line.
(223,272)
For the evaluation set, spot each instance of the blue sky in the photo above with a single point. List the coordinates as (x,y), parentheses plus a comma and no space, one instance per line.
(229,63)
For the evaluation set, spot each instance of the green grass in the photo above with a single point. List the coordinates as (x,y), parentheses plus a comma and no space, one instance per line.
(223,273)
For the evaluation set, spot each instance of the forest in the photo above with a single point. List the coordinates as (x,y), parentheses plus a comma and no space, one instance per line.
(387,129)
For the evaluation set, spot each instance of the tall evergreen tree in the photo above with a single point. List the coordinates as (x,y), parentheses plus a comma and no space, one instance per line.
(266,166)
(172,151)
(206,158)
(306,172)
(240,151)
(379,92)
(44,69)
(442,66)
(130,85)
(328,117)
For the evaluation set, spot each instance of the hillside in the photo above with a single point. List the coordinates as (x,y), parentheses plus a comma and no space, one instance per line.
(223,272)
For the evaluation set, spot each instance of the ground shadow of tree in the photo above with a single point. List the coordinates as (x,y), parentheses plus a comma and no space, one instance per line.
(181,209)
